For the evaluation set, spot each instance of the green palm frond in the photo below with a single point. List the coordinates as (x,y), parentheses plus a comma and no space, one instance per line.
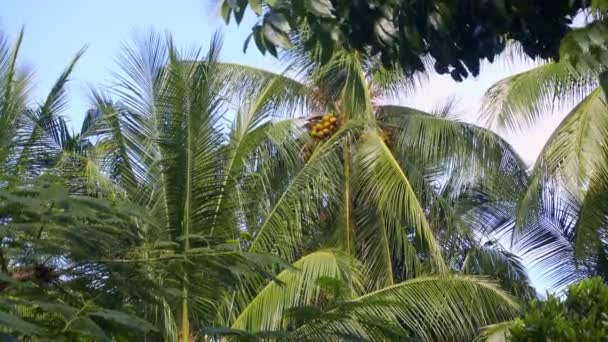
(592,228)
(573,158)
(521,100)
(429,308)
(13,97)
(390,84)
(300,286)
(500,264)
(495,333)
(473,152)
(280,226)
(574,149)
(46,130)
(278,95)
(387,188)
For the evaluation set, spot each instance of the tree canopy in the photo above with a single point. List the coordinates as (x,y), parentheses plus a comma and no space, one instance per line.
(582,316)
(452,35)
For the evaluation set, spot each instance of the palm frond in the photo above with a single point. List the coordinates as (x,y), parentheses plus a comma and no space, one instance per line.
(387,188)
(428,308)
(469,152)
(280,226)
(521,100)
(502,265)
(298,287)
(13,97)
(46,130)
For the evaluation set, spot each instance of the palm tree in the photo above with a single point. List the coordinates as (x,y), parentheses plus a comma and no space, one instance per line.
(370,203)
(71,242)
(562,215)
(374,215)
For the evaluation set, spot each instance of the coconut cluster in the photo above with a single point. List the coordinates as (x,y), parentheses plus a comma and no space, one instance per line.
(324,127)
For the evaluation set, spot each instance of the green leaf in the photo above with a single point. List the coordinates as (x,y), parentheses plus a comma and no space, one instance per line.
(18,324)
(225,12)
(279,22)
(320,8)
(233,4)
(247,41)
(256,6)
(258,37)
(276,37)
(239,14)
(125,319)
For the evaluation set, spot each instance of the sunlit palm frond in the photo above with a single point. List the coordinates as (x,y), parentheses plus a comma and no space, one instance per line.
(13,98)
(343,78)
(521,100)
(386,187)
(280,226)
(498,332)
(279,95)
(570,159)
(429,308)
(573,151)
(441,138)
(300,286)
(592,228)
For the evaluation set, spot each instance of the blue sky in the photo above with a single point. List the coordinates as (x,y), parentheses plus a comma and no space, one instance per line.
(56,30)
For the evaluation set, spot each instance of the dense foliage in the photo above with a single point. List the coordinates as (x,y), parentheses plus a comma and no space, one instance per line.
(456,35)
(378,204)
(581,316)
(55,281)
(203,200)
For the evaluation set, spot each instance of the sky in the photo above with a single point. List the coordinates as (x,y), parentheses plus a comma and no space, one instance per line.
(56,30)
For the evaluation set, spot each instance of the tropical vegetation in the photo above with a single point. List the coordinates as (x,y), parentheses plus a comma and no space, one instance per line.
(568,181)
(204,200)
(580,316)
(457,35)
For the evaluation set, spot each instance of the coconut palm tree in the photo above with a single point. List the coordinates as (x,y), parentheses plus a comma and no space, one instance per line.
(70,239)
(562,216)
(376,210)
(375,200)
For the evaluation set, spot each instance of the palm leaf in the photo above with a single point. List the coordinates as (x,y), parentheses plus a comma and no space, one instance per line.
(298,287)
(521,100)
(429,308)
(387,188)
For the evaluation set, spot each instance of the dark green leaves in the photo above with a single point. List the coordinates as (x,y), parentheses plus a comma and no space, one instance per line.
(582,316)
(256,6)
(457,36)
(9,320)
(276,30)
(122,318)
(320,8)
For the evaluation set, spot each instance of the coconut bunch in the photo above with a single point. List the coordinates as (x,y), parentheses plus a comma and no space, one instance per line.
(324,127)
